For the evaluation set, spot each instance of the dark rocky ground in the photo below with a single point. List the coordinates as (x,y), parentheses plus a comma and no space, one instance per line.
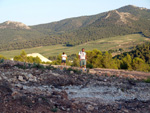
(35,89)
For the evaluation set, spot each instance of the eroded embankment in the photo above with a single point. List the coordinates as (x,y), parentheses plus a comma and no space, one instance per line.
(49,90)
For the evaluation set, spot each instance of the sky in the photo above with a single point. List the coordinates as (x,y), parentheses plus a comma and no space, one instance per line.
(33,12)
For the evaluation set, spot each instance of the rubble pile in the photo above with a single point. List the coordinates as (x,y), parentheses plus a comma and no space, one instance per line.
(25,88)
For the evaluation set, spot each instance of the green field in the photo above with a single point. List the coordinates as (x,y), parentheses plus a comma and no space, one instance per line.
(105,44)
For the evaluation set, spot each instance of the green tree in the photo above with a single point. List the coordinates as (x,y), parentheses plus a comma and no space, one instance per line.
(24,58)
(139,65)
(126,62)
(58,61)
(94,58)
(76,62)
(30,59)
(37,60)
(2,57)
(108,62)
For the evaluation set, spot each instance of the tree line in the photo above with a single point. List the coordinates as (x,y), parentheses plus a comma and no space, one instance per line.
(137,59)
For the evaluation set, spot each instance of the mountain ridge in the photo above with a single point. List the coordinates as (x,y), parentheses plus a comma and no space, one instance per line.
(124,8)
(74,31)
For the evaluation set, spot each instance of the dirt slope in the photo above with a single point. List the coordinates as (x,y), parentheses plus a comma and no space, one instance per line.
(35,89)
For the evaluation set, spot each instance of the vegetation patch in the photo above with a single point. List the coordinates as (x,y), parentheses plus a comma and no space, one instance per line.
(52,51)
(147,80)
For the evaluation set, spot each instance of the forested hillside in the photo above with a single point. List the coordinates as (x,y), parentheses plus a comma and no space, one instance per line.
(67,24)
(75,31)
(141,51)
(138,59)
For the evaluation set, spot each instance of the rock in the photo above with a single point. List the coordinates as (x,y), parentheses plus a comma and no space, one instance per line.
(50,71)
(71,72)
(58,90)
(20,78)
(108,73)
(40,100)
(55,74)
(14,79)
(68,109)
(2,74)
(76,102)
(105,80)
(19,86)
(33,79)
(25,75)
(90,107)
(119,107)
(92,71)
(30,77)
(131,82)
(5,88)
(16,94)
(63,108)
(130,76)
(125,110)
(6,66)
(4,77)
(64,94)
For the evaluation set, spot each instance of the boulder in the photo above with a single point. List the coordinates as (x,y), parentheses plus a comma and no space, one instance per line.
(90,107)
(30,77)
(55,74)
(20,78)
(33,79)
(92,71)
(71,72)
(0,78)
(16,95)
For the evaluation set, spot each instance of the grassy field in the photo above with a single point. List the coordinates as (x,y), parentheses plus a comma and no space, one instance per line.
(125,42)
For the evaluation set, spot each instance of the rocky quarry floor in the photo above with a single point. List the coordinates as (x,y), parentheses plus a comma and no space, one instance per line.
(34,89)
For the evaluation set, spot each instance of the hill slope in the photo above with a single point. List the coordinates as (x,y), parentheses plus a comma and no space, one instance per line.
(112,43)
(75,31)
(67,24)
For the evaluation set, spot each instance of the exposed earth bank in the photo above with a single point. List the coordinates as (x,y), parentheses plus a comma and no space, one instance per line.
(35,89)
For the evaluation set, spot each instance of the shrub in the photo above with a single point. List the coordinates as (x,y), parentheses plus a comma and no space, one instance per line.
(22,66)
(1,60)
(89,66)
(38,66)
(50,67)
(2,57)
(54,109)
(147,80)
(77,71)
(70,69)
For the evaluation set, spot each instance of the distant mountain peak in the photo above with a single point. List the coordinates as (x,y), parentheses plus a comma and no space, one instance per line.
(133,7)
(138,7)
(13,25)
(122,16)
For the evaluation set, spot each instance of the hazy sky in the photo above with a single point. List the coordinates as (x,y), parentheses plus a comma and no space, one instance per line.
(32,12)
